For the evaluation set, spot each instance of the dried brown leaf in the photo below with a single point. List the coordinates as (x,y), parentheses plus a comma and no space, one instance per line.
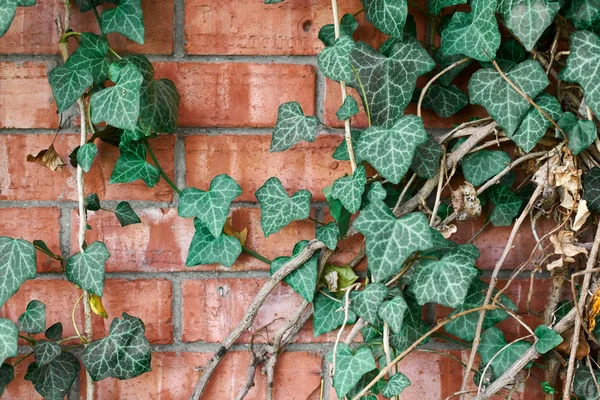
(582,215)
(583,348)
(241,235)
(48,158)
(565,244)
(465,202)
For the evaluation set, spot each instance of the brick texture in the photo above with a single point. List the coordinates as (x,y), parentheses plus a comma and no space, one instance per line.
(234,63)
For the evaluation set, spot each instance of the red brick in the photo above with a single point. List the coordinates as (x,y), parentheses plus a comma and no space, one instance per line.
(149,300)
(22,180)
(223,302)
(40,224)
(19,388)
(247,160)
(288,28)
(33,30)
(161,241)
(173,378)
(238,94)
(26,99)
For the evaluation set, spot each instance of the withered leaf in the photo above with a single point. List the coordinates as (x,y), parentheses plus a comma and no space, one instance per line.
(465,202)
(48,158)
(565,244)
(583,348)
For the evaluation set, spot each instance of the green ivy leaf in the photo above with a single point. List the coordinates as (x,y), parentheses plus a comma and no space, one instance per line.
(53,380)
(119,105)
(304,279)
(349,189)
(435,6)
(389,240)
(132,165)
(447,60)
(584,384)
(446,281)
(127,19)
(508,55)
(87,269)
(583,59)
(292,127)
(482,165)
(388,16)
(464,327)
(528,19)
(349,368)
(206,249)
(92,202)
(388,80)
(426,160)
(392,312)
(33,320)
(396,385)
(492,342)
(54,332)
(585,14)
(348,26)
(123,354)
(86,155)
(535,125)
(328,314)
(473,34)
(334,61)
(210,207)
(501,101)
(126,215)
(87,5)
(348,109)
(413,327)
(7,375)
(328,234)
(591,189)
(68,85)
(547,339)
(581,133)
(9,334)
(17,262)
(45,352)
(391,150)
(445,101)
(365,303)
(337,211)
(8,8)
(278,209)
(507,205)
(90,55)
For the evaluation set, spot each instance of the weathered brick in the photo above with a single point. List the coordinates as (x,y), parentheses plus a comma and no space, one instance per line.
(288,28)
(149,300)
(223,303)
(23,180)
(238,94)
(173,377)
(161,241)
(33,30)
(34,224)
(247,160)
(25,96)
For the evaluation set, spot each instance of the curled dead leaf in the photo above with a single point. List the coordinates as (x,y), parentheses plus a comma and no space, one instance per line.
(448,230)
(338,278)
(565,244)
(583,348)
(582,215)
(594,310)
(465,202)
(48,158)
(97,306)
(241,235)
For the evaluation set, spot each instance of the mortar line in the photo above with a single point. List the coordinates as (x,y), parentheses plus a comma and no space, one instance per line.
(64,234)
(180,162)
(179,28)
(177,311)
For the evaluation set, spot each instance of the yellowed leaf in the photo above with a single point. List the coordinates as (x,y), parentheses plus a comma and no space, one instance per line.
(241,235)
(582,214)
(565,244)
(594,311)
(48,158)
(97,306)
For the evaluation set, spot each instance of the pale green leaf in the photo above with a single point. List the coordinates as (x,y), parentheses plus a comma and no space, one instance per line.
(123,354)
(547,339)
(17,262)
(33,320)
(482,165)
(68,85)
(535,124)
(210,207)
(9,334)
(349,367)
(334,61)
(348,109)
(365,303)
(396,385)
(304,279)
(127,19)
(328,234)
(392,312)
(278,208)
(349,189)
(206,249)
(8,8)
(501,101)
(87,269)
(90,56)
(389,16)
(328,314)
(292,127)
(492,346)
(86,155)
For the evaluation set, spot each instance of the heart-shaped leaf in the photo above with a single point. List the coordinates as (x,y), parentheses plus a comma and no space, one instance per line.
(328,234)
(45,352)
(206,249)
(349,367)
(366,303)
(349,189)
(528,19)
(292,127)
(506,205)
(279,209)
(132,165)
(86,155)
(68,85)
(17,261)
(482,165)
(90,56)
(426,160)
(348,25)
(87,269)
(348,109)
(492,349)
(127,19)
(445,101)
(334,61)
(581,133)
(33,320)
(396,385)
(389,16)
(392,312)
(126,215)
(53,380)
(304,279)
(547,339)
(328,314)
(535,124)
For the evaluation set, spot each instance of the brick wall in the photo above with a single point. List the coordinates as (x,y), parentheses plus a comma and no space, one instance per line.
(233,62)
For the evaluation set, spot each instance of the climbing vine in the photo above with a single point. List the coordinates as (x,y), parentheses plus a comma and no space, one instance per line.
(531,64)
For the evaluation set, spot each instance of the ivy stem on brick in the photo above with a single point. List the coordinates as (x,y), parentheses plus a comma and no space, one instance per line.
(63,46)
(160,168)
(256,255)
(347,132)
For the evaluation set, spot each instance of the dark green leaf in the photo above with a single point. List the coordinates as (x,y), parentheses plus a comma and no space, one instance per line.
(591,189)
(68,85)
(435,6)
(206,249)
(388,16)
(33,320)
(348,109)
(348,25)
(366,303)
(482,165)
(127,19)
(87,269)
(292,127)
(426,160)
(349,368)
(535,124)
(40,245)
(86,155)
(54,380)
(87,5)
(328,314)
(17,263)
(584,384)
(54,332)
(126,215)
(396,385)
(132,165)
(334,61)
(581,133)
(445,101)
(507,205)
(92,202)
(90,56)
(581,66)
(585,14)
(337,211)
(493,347)
(349,189)
(45,352)
(392,312)
(7,375)
(528,19)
